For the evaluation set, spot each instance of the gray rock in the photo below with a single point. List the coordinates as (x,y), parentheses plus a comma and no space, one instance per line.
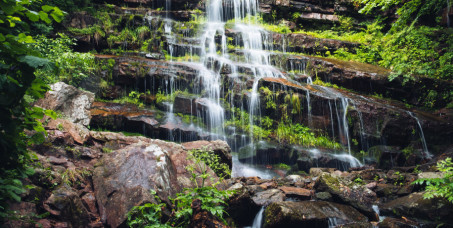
(267,197)
(72,102)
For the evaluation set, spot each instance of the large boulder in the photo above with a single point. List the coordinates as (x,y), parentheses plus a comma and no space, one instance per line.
(309,214)
(125,177)
(241,206)
(415,206)
(75,104)
(347,192)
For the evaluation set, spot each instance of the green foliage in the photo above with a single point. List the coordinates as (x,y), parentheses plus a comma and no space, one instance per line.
(282,166)
(148,215)
(267,122)
(359,181)
(408,11)
(440,187)
(71,67)
(212,160)
(213,200)
(298,134)
(18,84)
(269,98)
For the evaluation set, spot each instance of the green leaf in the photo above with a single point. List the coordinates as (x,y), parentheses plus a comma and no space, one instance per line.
(34,61)
(47,8)
(22,38)
(51,113)
(44,17)
(57,14)
(32,15)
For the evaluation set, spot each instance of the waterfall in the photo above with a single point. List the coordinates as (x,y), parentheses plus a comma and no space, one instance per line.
(332,222)
(310,119)
(258,220)
(422,136)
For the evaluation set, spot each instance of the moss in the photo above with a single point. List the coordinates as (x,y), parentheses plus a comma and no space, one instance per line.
(331,182)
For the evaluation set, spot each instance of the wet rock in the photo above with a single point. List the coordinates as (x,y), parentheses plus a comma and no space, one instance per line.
(387,156)
(309,214)
(185,105)
(241,206)
(415,206)
(385,190)
(72,102)
(397,223)
(299,193)
(264,152)
(307,159)
(121,117)
(66,204)
(347,192)
(267,197)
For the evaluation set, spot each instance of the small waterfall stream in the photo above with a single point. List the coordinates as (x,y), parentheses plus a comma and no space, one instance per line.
(422,135)
(258,220)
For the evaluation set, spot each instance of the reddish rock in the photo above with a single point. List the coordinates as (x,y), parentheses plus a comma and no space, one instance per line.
(300,193)
(66,204)
(78,132)
(267,185)
(90,202)
(43,223)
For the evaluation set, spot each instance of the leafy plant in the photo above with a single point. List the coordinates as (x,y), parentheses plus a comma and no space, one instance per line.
(148,215)
(18,84)
(301,135)
(440,187)
(212,160)
(213,200)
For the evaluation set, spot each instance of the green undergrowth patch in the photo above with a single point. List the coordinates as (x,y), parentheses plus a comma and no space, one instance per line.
(300,135)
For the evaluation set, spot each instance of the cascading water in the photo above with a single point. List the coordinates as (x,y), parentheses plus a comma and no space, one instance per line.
(257,44)
(258,221)
(422,135)
(310,118)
